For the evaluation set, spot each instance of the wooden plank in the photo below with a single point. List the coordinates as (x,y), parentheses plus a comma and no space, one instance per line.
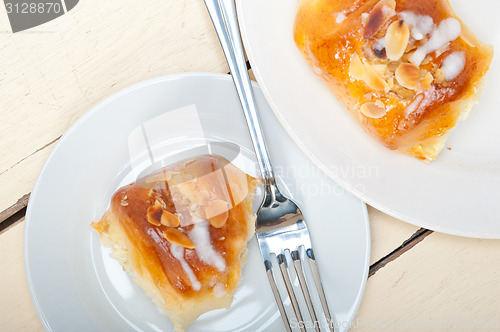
(19,181)
(408,244)
(12,221)
(444,283)
(16,308)
(62,68)
(387,233)
(15,208)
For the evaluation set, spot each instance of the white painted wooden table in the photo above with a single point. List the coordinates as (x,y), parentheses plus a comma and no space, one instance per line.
(51,74)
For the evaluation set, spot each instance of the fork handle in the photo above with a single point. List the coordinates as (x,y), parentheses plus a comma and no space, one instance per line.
(223,14)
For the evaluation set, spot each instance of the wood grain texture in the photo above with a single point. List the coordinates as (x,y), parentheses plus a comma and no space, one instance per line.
(407,245)
(15,208)
(50,75)
(17,310)
(445,280)
(387,233)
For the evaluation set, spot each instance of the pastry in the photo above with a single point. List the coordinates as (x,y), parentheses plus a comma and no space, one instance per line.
(407,70)
(181,234)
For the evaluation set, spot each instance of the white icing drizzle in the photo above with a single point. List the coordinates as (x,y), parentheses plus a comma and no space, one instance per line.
(453,65)
(379,44)
(420,25)
(448,30)
(200,235)
(178,252)
(387,11)
(340,17)
(414,105)
(364,18)
(219,290)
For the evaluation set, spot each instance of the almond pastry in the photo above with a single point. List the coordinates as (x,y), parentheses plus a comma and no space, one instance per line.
(407,70)
(374,110)
(182,237)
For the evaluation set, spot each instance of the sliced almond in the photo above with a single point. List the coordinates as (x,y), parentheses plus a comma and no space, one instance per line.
(169,219)
(159,201)
(380,14)
(427,81)
(396,40)
(154,214)
(217,212)
(124,203)
(408,75)
(219,221)
(403,93)
(410,47)
(356,68)
(390,85)
(372,79)
(380,69)
(173,235)
(374,110)
(442,50)
(392,66)
(426,60)
(203,197)
(439,76)
(195,210)
(157,177)
(364,18)
(238,184)
(389,3)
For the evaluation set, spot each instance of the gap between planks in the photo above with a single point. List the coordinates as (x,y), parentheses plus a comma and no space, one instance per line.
(14,214)
(411,242)
(248,67)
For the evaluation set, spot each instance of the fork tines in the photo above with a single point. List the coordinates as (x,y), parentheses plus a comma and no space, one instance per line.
(304,286)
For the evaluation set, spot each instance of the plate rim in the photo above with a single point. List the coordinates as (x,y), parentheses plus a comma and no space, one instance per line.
(102,103)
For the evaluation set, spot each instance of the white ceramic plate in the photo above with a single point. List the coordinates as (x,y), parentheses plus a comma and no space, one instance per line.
(75,286)
(457,194)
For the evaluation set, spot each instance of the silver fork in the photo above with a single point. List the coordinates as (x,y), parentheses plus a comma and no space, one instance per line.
(280,224)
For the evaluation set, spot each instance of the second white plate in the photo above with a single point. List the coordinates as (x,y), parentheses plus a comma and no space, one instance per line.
(457,194)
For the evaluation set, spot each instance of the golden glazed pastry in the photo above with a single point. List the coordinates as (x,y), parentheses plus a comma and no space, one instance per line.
(181,233)
(406,69)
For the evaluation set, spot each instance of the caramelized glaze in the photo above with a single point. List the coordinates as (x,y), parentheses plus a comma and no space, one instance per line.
(149,241)
(329,46)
